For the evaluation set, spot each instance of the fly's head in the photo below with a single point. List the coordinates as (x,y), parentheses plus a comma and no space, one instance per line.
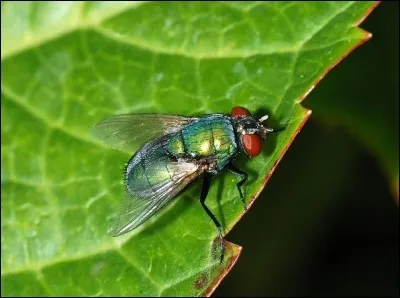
(250,130)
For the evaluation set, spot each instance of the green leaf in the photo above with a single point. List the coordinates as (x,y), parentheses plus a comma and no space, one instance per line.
(68,65)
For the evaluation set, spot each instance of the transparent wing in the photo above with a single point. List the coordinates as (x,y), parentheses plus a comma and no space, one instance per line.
(153,179)
(126,132)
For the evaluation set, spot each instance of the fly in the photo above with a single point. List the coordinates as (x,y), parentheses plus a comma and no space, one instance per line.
(175,151)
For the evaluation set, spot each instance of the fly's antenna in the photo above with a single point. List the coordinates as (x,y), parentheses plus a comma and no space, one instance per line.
(263,118)
(265,131)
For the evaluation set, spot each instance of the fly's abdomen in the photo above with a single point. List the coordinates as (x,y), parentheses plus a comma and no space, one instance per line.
(153,178)
(151,169)
(211,136)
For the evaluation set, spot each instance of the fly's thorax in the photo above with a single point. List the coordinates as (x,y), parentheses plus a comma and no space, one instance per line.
(176,146)
(211,136)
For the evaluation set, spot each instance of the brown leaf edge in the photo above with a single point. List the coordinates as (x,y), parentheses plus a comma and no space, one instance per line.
(237,249)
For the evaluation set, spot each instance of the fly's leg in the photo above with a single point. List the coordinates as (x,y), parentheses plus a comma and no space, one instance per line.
(275,130)
(243,177)
(203,196)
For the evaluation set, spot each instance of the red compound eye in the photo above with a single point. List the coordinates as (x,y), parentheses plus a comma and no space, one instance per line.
(239,112)
(252,144)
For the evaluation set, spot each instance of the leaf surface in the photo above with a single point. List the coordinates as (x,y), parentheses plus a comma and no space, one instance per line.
(68,65)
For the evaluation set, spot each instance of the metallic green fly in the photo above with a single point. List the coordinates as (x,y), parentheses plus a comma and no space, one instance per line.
(175,151)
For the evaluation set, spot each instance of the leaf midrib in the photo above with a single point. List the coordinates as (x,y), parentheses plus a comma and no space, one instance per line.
(79,24)
(94,24)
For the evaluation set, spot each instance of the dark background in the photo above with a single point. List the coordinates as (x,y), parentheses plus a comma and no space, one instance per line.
(327,222)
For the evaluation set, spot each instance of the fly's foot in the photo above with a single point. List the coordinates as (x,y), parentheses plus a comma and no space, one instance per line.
(244,204)
(221,245)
